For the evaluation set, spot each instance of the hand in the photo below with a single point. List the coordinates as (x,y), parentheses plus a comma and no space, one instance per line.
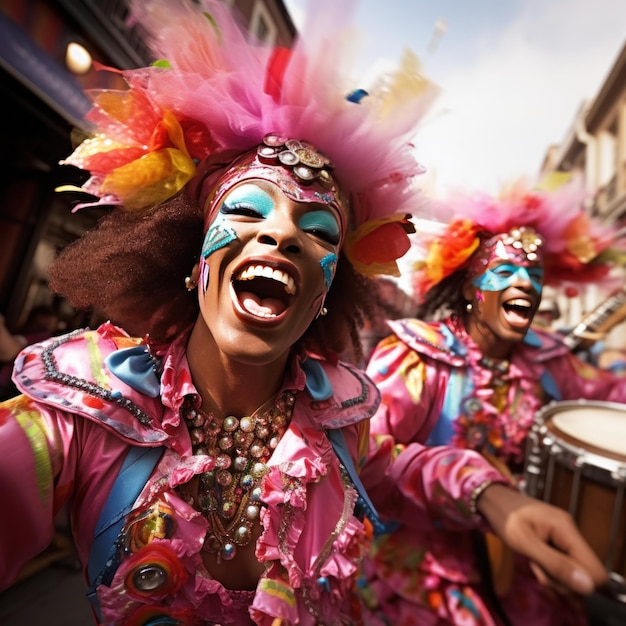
(559,555)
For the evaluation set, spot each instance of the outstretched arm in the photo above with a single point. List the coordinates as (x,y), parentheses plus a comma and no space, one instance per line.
(560,557)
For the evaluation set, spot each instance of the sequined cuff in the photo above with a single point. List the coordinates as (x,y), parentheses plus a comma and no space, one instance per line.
(477,493)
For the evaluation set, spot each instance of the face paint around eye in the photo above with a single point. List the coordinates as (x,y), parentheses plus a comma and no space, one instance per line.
(322,222)
(248,197)
(217,236)
(505,275)
(329,265)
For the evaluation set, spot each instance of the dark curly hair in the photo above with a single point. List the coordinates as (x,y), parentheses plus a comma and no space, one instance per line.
(131,270)
(444,298)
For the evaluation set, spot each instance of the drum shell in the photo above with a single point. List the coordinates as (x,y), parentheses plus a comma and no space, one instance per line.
(585,479)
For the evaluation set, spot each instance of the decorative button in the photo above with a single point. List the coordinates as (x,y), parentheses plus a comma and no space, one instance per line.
(287,157)
(274,140)
(150,578)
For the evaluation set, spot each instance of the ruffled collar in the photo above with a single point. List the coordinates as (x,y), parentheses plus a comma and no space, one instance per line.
(177,384)
(521,364)
(504,399)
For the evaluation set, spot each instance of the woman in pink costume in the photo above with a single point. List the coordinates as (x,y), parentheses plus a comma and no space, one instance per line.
(474,377)
(207,440)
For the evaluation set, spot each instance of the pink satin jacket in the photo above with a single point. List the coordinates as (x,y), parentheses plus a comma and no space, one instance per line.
(437,389)
(65,438)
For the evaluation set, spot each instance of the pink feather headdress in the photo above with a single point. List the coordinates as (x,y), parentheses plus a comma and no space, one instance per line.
(214,92)
(576,249)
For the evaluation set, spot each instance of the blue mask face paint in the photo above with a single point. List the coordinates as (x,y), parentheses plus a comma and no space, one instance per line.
(505,275)
(252,201)
(247,199)
(322,224)
(217,236)
(329,265)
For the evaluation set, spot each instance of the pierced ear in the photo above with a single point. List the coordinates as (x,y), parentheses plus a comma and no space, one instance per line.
(195,272)
(469,291)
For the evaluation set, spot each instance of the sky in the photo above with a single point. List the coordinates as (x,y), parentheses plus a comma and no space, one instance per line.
(512,75)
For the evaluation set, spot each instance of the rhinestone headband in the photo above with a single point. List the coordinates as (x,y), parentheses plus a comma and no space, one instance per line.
(306,162)
(301,171)
(524,239)
(521,245)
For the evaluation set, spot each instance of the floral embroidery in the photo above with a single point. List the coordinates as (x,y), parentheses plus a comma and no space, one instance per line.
(500,409)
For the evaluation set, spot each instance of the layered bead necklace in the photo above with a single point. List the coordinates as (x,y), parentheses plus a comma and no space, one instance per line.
(238,449)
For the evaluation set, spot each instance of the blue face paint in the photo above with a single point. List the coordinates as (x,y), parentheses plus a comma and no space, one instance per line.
(217,236)
(243,200)
(505,275)
(323,224)
(329,265)
(252,201)
(248,199)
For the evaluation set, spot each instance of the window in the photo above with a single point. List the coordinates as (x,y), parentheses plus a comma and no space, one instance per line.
(261,23)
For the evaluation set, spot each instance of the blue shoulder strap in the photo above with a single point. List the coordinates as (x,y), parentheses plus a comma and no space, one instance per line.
(549,385)
(319,387)
(339,445)
(132,478)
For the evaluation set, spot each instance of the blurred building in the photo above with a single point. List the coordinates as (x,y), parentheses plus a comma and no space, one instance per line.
(47,49)
(595,146)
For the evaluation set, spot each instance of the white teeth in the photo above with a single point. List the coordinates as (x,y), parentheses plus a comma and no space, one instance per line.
(265,271)
(519,302)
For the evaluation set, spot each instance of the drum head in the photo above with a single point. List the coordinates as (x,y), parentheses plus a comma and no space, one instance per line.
(599,427)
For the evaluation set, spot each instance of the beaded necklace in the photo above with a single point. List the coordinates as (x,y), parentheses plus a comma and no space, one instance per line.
(238,450)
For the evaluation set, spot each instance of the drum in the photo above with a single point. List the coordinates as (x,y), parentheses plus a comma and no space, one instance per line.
(576,460)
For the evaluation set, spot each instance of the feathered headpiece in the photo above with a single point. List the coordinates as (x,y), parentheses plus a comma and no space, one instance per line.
(214,95)
(575,248)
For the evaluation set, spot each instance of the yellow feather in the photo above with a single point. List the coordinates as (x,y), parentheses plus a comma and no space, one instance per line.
(402,87)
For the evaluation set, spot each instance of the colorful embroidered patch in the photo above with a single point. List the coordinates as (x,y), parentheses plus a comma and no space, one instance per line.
(276,589)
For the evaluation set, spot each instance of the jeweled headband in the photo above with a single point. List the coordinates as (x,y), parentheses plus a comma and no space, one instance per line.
(302,173)
(521,245)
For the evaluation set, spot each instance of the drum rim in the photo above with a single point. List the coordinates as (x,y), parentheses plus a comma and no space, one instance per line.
(578,446)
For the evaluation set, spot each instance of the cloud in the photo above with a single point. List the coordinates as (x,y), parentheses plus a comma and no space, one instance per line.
(513,75)
(502,108)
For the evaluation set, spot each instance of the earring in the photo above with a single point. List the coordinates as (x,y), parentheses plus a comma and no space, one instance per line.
(468,307)
(190,283)
(322,310)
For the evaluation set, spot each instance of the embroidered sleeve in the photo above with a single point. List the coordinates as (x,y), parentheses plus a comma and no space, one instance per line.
(577,379)
(26,486)
(408,410)
(427,487)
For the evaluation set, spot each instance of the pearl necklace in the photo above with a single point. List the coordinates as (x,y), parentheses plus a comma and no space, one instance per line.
(238,449)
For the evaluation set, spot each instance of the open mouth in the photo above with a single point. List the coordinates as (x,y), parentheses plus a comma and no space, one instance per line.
(518,310)
(263,291)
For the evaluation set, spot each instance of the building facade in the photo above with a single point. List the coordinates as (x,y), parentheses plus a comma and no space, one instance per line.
(595,147)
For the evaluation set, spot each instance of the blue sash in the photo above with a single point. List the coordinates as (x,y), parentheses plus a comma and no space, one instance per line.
(132,478)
